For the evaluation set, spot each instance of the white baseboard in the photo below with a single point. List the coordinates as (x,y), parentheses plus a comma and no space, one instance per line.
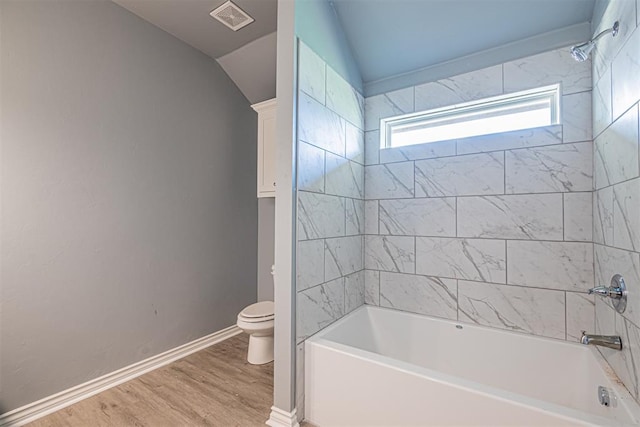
(48,405)
(280,418)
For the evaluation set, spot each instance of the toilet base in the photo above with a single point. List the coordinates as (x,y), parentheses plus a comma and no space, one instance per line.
(260,350)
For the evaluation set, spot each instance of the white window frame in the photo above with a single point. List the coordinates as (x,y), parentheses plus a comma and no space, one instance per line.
(458,113)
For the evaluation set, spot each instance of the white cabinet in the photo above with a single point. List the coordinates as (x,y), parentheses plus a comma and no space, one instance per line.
(266,147)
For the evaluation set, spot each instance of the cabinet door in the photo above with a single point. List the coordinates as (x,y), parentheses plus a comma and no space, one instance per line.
(267,155)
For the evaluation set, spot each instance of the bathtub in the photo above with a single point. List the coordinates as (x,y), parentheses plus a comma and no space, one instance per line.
(381,367)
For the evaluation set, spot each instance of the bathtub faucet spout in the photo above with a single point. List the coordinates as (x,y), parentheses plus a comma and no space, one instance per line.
(610,341)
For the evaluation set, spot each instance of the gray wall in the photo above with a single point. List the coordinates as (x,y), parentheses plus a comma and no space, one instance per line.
(266,236)
(129,217)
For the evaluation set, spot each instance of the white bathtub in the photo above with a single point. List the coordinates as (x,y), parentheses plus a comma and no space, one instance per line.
(381,367)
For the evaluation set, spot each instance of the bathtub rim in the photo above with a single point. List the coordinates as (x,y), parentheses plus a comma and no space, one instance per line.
(625,400)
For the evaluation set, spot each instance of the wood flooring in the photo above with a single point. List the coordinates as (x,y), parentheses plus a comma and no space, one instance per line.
(213,387)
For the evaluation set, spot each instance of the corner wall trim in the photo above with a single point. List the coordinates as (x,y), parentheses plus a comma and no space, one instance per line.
(280,418)
(55,402)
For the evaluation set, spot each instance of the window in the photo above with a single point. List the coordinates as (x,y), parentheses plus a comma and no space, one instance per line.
(521,110)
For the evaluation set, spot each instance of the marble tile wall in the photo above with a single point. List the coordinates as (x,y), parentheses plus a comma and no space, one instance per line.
(616,207)
(495,230)
(330,278)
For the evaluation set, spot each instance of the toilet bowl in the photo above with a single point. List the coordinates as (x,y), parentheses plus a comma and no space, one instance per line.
(257,321)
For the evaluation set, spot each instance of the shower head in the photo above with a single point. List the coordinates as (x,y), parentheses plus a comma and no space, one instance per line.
(581,52)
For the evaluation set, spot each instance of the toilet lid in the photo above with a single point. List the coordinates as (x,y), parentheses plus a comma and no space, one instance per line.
(259,309)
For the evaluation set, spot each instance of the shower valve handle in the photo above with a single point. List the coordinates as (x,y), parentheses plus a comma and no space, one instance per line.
(617,292)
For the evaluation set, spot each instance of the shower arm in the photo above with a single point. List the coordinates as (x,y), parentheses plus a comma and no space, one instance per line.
(613,30)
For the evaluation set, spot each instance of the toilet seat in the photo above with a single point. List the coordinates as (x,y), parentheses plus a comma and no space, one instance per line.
(258,312)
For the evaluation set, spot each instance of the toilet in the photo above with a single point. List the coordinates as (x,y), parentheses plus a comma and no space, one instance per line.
(257,321)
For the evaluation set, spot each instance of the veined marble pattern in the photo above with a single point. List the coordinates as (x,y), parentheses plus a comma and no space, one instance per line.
(311,73)
(556,168)
(534,216)
(461,88)
(565,266)
(390,181)
(581,313)
(354,143)
(372,147)
(535,311)
(625,72)
(432,296)
(548,135)
(342,256)
(310,168)
(320,126)
(343,177)
(471,259)
(626,215)
(616,151)
(601,105)
(608,47)
(576,117)
(418,217)
(387,105)
(320,215)
(390,253)
(578,219)
(474,174)
(371,287)
(548,68)
(418,151)
(371,217)
(344,99)
(354,216)
(626,363)
(603,216)
(605,318)
(354,291)
(310,264)
(319,307)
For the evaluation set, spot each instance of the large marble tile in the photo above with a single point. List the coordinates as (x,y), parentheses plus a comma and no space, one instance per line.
(610,261)
(461,88)
(535,217)
(354,291)
(608,47)
(625,72)
(310,264)
(387,105)
(318,307)
(534,311)
(320,216)
(625,362)
(470,259)
(311,73)
(548,135)
(390,181)
(626,215)
(431,296)
(601,103)
(576,117)
(390,253)
(310,168)
(344,99)
(354,143)
(616,151)
(581,311)
(578,216)
(556,66)
(566,266)
(319,126)
(343,177)
(342,256)
(371,217)
(418,217)
(605,318)
(473,174)
(419,151)
(371,287)
(355,217)
(556,168)
(603,216)
(372,147)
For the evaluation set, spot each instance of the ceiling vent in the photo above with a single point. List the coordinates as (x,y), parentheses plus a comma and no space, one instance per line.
(231,16)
